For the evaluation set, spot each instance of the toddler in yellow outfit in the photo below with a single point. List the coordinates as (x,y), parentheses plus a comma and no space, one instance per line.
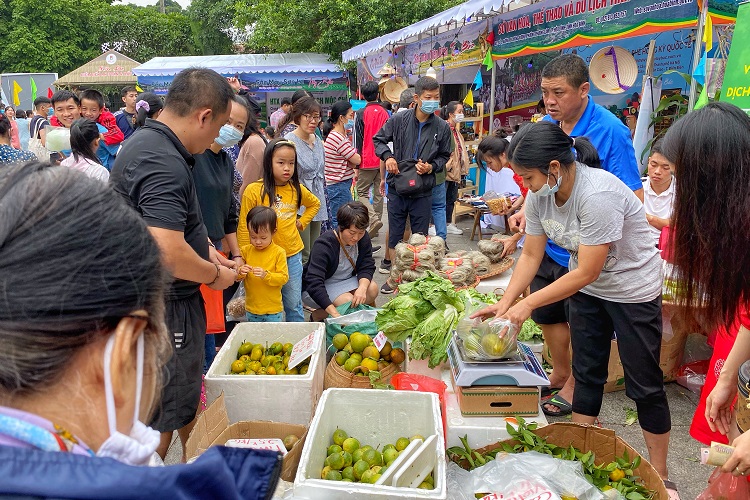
(265,271)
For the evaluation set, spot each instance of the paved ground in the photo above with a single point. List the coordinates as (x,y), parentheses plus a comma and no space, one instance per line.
(685,470)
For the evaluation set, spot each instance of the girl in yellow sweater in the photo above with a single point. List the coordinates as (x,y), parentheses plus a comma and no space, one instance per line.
(281,190)
(265,271)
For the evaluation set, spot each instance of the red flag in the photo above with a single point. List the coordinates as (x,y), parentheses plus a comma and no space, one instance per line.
(491,37)
(49,92)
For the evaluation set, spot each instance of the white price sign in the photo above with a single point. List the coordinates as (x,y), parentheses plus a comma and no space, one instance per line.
(274,444)
(380,340)
(304,349)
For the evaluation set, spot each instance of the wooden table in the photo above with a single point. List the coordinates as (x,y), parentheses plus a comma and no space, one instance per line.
(478,214)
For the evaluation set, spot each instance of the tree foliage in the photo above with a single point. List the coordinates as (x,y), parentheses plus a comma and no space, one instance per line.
(212,19)
(328,26)
(60,35)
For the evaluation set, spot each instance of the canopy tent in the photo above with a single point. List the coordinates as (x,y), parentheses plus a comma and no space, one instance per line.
(240,63)
(110,68)
(470,11)
(268,77)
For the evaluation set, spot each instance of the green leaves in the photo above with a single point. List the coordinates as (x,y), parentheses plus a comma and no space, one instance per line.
(631,416)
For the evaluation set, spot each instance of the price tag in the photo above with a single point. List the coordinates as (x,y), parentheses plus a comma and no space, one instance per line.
(303,349)
(380,340)
(258,444)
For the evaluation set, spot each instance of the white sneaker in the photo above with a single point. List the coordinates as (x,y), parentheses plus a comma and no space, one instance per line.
(452,229)
(431,231)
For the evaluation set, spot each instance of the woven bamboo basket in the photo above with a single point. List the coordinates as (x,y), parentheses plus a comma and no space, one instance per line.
(336,376)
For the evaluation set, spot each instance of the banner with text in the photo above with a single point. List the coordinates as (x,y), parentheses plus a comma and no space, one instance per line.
(560,24)
(264,82)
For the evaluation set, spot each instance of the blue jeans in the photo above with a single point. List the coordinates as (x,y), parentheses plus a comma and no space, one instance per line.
(339,193)
(265,318)
(210,346)
(438,210)
(291,293)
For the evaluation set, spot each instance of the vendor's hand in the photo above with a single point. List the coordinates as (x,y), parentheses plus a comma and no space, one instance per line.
(391,166)
(739,463)
(423,167)
(382,187)
(359,297)
(259,272)
(226,278)
(719,405)
(494,310)
(238,261)
(299,226)
(518,313)
(510,245)
(517,222)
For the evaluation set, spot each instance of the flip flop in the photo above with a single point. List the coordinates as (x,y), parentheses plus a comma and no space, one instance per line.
(548,392)
(564,407)
(671,490)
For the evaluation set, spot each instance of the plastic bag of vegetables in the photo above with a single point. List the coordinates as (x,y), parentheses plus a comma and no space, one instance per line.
(490,340)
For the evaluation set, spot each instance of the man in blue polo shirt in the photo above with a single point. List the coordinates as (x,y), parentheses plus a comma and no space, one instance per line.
(565,90)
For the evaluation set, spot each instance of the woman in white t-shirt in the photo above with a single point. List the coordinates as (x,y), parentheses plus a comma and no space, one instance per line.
(84,141)
(341,158)
(658,191)
(614,282)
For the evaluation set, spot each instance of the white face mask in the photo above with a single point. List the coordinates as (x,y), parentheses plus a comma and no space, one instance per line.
(138,447)
(459,117)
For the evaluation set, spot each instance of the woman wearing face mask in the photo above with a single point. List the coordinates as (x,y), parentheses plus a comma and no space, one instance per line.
(214,177)
(457,165)
(614,282)
(311,164)
(340,157)
(83,356)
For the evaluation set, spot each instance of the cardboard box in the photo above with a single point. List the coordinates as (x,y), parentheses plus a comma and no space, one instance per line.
(603,442)
(497,400)
(213,429)
(670,360)
(375,417)
(285,398)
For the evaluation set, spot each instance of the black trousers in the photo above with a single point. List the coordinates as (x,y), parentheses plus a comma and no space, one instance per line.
(419,211)
(639,329)
(186,320)
(557,312)
(451,195)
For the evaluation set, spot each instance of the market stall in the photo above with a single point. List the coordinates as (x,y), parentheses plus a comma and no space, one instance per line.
(108,73)
(268,77)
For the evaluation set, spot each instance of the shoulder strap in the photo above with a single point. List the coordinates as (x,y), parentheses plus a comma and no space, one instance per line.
(354,266)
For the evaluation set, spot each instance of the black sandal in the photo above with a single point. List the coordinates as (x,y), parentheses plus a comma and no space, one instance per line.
(564,407)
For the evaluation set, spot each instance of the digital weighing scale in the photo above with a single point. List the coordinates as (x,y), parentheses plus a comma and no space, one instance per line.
(521,369)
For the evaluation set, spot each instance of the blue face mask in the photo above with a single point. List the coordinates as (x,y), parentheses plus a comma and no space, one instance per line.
(430,107)
(546,190)
(50,112)
(228,136)
(349,125)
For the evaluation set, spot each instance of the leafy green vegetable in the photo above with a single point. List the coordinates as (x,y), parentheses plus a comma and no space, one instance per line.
(431,337)
(471,296)
(436,290)
(401,315)
(530,332)
(631,416)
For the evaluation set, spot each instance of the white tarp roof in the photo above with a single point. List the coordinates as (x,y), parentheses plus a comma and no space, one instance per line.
(457,14)
(240,63)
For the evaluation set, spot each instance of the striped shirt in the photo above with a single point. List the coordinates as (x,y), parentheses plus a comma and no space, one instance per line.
(338,151)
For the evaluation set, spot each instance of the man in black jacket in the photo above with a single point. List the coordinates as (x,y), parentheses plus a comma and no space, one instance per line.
(417,135)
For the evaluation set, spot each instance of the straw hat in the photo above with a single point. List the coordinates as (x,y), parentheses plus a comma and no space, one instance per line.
(391,90)
(604,75)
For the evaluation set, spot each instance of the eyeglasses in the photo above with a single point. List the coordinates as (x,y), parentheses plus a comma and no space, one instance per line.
(315,118)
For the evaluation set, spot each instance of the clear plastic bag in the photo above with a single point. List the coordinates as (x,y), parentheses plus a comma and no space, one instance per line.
(520,476)
(58,139)
(236,306)
(490,340)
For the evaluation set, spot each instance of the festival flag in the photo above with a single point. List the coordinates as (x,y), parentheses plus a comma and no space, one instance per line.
(491,38)
(488,59)
(33,89)
(469,99)
(138,88)
(3,97)
(50,93)
(702,98)
(708,34)
(16,90)
(478,80)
